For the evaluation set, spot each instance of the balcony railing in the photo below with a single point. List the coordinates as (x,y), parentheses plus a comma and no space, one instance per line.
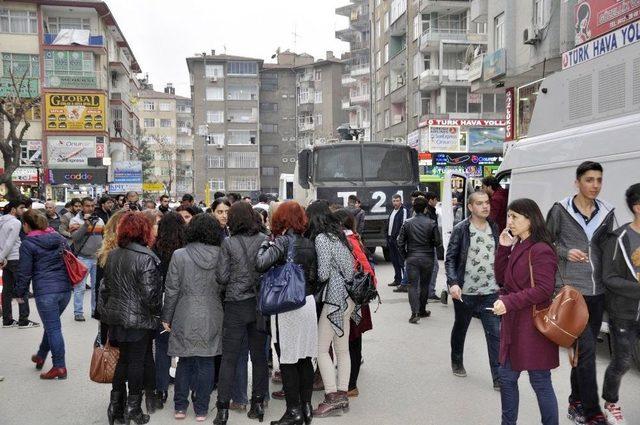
(434,35)
(359,98)
(347,80)
(429,6)
(432,79)
(357,70)
(306,126)
(94,40)
(346,104)
(185,145)
(184,131)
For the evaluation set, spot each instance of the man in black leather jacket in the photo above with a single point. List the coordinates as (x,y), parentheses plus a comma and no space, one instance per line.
(417,241)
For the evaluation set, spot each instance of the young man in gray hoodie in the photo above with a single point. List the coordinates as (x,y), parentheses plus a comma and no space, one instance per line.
(580,225)
(10,227)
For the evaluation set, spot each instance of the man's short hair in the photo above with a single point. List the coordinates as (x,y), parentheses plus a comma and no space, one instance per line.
(163,197)
(587,166)
(263,198)
(187,197)
(430,196)
(396,196)
(420,205)
(417,194)
(474,195)
(86,199)
(632,196)
(353,198)
(103,200)
(491,182)
(68,204)
(132,192)
(218,194)
(76,201)
(14,203)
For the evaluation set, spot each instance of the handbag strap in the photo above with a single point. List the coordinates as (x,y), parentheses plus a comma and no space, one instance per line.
(533,284)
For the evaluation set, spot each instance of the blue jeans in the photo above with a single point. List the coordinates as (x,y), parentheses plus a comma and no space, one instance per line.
(241,379)
(194,373)
(78,290)
(50,308)
(540,382)
(163,361)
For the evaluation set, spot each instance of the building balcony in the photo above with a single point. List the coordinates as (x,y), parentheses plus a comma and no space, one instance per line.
(184,146)
(430,39)
(94,41)
(357,70)
(448,6)
(346,10)
(433,79)
(348,80)
(184,131)
(306,126)
(479,10)
(347,34)
(346,104)
(359,98)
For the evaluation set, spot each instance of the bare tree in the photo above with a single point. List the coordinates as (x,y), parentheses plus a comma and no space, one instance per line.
(168,152)
(14,107)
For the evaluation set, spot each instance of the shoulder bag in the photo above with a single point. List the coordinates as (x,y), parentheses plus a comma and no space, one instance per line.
(103,363)
(361,288)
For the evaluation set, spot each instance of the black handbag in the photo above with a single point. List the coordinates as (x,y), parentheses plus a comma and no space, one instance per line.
(361,289)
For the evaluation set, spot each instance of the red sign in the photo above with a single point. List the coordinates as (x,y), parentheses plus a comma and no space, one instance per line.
(424,156)
(596,17)
(510,129)
(463,123)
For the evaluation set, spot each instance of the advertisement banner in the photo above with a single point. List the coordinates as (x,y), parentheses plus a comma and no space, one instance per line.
(153,187)
(594,18)
(75,112)
(127,172)
(475,69)
(462,123)
(25,176)
(486,139)
(122,188)
(413,139)
(474,165)
(622,37)
(495,64)
(75,176)
(444,138)
(30,87)
(510,128)
(71,151)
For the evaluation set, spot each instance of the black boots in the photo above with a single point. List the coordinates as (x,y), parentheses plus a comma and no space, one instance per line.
(153,401)
(293,416)
(133,411)
(257,408)
(415,318)
(223,413)
(307,412)
(115,411)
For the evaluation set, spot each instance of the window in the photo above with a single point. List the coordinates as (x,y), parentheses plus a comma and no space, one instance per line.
(386,86)
(242,92)
(417,65)
(318,75)
(378,59)
(20,65)
(215,117)
(268,107)
(53,25)
(269,128)
(243,115)
(488,102)
(149,105)
(318,120)
(427,61)
(538,10)
(242,68)
(216,184)
(386,53)
(165,123)
(80,66)
(378,32)
(481,27)
(213,71)
(149,122)
(417,27)
(215,161)
(270,171)
(215,139)
(183,108)
(378,90)
(425,107)
(269,149)
(243,160)
(269,82)
(426,22)
(385,21)
(303,95)
(457,100)
(215,93)
(379,121)
(318,96)
(499,32)
(244,183)
(18,21)
(501,98)
(242,137)
(387,118)
(416,103)
(165,107)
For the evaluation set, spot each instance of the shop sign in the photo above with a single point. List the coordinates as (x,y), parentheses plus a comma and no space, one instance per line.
(75,112)
(465,159)
(444,138)
(65,151)
(622,37)
(488,139)
(116,188)
(463,122)
(28,89)
(510,128)
(475,69)
(413,139)
(71,81)
(594,18)
(153,187)
(78,176)
(495,64)
(25,175)
(127,172)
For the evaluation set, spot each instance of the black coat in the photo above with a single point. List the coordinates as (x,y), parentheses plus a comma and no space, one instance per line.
(456,260)
(274,252)
(104,215)
(236,272)
(622,287)
(398,220)
(131,291)
(418,237)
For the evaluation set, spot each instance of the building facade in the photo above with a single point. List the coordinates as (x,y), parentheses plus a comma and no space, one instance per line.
(184,154)
(225,91)
(78,60)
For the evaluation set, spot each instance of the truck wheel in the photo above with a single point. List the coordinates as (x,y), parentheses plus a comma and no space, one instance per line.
(385,252)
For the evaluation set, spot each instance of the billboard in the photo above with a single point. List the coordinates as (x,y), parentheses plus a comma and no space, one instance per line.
(444,138)
(594,18)
(73,151)
(75,112)
(127,177)
(488,139)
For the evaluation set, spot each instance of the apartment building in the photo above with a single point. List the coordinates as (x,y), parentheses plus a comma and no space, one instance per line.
(77,59)
(225,93)
(356,80)
(184,153)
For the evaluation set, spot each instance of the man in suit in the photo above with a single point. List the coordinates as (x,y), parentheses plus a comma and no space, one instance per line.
(396,219)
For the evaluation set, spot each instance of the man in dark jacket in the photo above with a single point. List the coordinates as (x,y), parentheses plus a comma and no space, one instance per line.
(164,204)
(396,219)
(105,208)
(621,273)
(499,201)
(52,216)
(472,283)
(579,225)
(353,206)
(417,242)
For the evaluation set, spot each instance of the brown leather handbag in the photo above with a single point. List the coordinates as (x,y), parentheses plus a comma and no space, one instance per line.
(103,363)
(565,319)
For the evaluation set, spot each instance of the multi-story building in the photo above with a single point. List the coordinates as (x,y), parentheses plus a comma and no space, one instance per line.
(77,59)
(357,78)
(184,158)
(225,94)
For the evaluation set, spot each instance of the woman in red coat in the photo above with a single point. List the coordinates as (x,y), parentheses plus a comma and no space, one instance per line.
(522,346)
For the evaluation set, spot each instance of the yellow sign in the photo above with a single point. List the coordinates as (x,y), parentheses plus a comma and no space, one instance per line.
(153,187)
(207,194)
(75,112)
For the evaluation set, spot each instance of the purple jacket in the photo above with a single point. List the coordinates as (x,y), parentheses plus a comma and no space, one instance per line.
(520,341)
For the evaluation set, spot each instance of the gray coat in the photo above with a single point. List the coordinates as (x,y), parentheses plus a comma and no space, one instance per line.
(192,305)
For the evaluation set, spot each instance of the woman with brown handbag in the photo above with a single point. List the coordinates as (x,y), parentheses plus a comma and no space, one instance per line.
(522,346)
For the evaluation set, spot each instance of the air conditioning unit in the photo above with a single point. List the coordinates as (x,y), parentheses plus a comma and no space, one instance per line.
(213,80)
(220,144)
(531,36)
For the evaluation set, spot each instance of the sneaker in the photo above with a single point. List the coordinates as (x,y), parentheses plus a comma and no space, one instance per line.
(496,384)
(79,318)
(444,298)
(394,284)
(614,414)
(414,319)
(458,370)
(598,419)
(576,412)
(12,324)
(426,313)
(29,324)
(401,288)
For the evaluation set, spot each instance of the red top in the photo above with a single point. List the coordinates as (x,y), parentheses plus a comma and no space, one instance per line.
(365,324)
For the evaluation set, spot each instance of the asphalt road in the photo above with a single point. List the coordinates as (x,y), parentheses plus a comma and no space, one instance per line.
(406,377)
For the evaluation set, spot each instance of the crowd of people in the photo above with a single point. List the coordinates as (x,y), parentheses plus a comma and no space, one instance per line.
(184,285)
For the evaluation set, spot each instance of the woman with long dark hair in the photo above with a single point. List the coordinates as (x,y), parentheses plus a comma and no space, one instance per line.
(296,330)
(220,211)
(525,255)
(335,267)
(239,282)
(130,303)
(171,237)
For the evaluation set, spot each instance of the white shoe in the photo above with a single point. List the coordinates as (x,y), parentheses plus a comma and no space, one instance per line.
(613,412)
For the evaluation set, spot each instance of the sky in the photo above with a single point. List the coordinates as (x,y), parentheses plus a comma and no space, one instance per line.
(162,33)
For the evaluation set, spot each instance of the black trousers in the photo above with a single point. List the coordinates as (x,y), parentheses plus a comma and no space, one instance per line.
(419,271)
(240,321)
(136,366)
(355,351)
(9,279)
(297,382)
